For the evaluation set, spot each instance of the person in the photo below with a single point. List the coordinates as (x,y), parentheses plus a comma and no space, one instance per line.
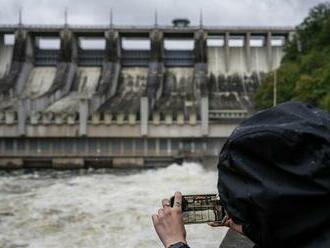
(169,225)
(273,181)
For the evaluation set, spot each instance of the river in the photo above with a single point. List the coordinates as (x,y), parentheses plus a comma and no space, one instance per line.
(97,208)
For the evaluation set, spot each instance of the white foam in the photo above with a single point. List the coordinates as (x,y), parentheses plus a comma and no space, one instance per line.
(99,210)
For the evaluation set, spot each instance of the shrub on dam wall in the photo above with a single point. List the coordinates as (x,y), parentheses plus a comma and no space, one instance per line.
(305,71)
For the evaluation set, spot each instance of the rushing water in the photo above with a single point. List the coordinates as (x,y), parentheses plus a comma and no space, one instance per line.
(97,208)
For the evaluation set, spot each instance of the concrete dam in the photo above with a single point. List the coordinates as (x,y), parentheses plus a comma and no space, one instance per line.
(115,96)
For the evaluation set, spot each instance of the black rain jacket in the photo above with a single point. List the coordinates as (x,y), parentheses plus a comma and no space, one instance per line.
(274,177)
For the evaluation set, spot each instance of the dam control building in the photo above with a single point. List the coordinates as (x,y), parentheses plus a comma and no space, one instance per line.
(112,96)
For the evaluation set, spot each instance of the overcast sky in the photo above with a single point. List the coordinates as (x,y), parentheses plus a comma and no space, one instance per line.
(141,12)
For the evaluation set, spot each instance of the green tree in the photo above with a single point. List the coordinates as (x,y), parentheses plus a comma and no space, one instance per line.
(304,74)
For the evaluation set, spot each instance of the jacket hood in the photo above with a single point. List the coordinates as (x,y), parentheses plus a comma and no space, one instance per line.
(274,176)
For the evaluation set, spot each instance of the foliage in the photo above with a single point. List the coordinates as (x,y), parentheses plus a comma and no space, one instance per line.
(304,74)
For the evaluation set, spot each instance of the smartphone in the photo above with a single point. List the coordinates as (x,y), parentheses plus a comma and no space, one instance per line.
(204,208)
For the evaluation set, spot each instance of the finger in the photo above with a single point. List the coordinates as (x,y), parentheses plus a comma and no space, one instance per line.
(177,200)
(155,219)
(214,224)
(230,223)
(161,212)
(225,219)
(166,203)
(227,223)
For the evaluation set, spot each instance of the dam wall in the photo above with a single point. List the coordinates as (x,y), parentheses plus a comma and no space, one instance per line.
(80,96)
(6,55)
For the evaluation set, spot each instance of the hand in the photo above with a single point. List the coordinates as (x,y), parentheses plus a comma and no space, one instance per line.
(229,223)
(168,222)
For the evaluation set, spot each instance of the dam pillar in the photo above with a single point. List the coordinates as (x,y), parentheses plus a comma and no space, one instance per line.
(200,70)
(269,51)
(68,58)
(19,53)
(227,52)
(110,70)
(68,50)
(248,52)
(83,117)
(2,47)
(21,117)
(205,116)
(200,49)
(144,113)
(157,47)
(156,67)
(111,65)
(18,58)
(2,40)
(29,57)
(113,46)
(24,48)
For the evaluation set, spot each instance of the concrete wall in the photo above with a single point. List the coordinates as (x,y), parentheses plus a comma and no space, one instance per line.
(86,82)
(39,82)
(6,54)
(236,71)
(216,61)
(125,129)
(133,80)
(89,78)
(259,59)
(179,80)
(55,148)
(132,85)
(238,61)
(278,54)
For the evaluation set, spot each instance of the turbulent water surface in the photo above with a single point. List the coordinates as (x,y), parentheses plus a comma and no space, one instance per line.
(97,208)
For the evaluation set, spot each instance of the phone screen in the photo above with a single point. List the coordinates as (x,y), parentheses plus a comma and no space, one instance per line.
(199,209)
